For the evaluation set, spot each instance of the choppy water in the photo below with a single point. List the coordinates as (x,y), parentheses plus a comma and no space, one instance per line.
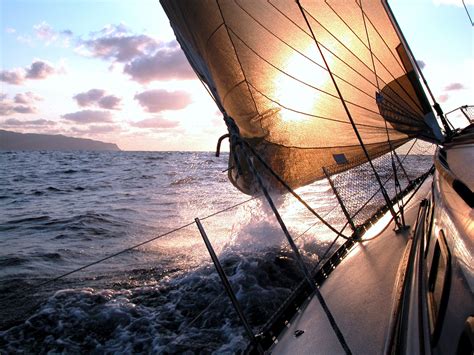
(61,210)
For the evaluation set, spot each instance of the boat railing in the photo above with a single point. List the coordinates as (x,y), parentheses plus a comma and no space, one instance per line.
(461,114)
(358,191)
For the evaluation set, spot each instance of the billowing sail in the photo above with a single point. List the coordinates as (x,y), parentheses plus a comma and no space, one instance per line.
(305,83)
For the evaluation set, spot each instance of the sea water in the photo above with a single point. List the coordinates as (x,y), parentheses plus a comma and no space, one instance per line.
(60,211)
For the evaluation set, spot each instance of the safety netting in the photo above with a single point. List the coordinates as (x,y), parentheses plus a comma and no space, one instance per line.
(361,193)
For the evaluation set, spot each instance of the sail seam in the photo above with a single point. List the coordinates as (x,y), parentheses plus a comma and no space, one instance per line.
(378,60)
(212,34)
(404,109)
(236,55)
(407,107)
(361,61)
(398,141)
(384,192)
(393,55)
(309,114)
(303,82)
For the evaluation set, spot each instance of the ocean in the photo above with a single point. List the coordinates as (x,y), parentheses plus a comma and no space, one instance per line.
(63,210)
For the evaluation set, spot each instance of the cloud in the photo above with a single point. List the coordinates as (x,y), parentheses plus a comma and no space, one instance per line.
(22,103)
(14,77)
(110,102)
(116,43)
(38,70)
(156,122)
(443,98)
(421,63)
(38,122)
(97,97)
(47,34)
(454,87)
(161,100)
(89,98)
(167,63)
(95,129)
(88,116)
(145,59)
(10,30)
(27,98)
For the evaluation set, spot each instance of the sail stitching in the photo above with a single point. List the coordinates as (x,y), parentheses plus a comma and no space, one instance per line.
(392,151)
(335,37)
(355,34)
(378,60)
(310,114)
(408,107)
(393,55)
(404,109)
(301,81)
(384,192)
(399,143)
(236,55)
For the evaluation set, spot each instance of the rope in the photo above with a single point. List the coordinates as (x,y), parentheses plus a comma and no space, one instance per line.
(140,244)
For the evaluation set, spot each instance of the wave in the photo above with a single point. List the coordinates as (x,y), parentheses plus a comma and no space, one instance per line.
(184,181)
(162,318)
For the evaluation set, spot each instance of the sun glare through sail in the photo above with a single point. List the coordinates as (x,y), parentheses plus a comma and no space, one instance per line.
(297,86)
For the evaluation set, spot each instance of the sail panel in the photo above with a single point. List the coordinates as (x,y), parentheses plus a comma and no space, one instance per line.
(295,91)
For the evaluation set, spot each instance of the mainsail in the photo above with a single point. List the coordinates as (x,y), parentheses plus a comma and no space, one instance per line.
(306,84)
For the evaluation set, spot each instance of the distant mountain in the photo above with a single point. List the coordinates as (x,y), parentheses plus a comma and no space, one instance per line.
(32,141)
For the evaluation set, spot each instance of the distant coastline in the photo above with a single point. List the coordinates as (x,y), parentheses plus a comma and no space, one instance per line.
(32,141)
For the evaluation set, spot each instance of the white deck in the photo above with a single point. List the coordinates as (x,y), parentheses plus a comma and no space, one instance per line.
(359,294)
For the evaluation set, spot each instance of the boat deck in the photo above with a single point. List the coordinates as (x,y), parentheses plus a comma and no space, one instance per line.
(360,294)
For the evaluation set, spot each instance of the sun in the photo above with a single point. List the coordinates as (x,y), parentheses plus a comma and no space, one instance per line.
(296,87)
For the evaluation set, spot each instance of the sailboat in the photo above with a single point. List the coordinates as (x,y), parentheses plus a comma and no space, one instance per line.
(313,90)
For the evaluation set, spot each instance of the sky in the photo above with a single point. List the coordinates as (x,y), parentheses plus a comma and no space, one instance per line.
(112,70)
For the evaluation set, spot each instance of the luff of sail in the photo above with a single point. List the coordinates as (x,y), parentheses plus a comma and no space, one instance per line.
(297,81)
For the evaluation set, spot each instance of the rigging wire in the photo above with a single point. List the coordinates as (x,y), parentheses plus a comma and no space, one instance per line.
(299,259)
(467,12)
(361,76)
(237,56)
(293,192)
(386,180)
(310,114)
(141,243)
(400,207)
(298,80)
(350,51)
(356,131)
